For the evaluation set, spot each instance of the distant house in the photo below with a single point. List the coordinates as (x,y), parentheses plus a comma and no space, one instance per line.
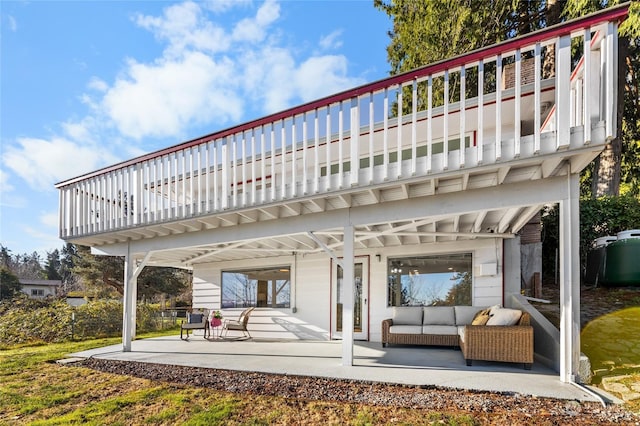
(39,289)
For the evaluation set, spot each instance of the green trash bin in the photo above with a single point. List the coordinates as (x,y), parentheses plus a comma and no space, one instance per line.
(595,260)
(622,261)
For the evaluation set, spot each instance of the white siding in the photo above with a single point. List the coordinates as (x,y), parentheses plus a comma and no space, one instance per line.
(311,287)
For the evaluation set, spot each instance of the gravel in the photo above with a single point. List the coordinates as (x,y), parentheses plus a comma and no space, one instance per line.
(514,406)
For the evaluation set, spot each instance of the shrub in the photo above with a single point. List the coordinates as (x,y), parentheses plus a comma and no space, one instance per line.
(24,320)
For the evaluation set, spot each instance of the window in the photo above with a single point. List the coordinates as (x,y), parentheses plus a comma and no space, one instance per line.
(267,287)
(430,280)
(37,292)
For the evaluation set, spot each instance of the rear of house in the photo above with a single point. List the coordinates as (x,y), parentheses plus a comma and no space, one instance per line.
(408,191)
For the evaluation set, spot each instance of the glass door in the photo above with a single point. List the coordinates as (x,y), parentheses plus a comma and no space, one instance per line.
(360,301)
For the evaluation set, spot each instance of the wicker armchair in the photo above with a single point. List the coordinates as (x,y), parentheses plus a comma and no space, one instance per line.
(499,343)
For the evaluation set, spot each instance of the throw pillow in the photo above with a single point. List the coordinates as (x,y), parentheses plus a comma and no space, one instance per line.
(195,318)
(505,316)
(481,317)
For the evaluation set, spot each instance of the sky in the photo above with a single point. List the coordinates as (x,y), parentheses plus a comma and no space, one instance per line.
(86,84)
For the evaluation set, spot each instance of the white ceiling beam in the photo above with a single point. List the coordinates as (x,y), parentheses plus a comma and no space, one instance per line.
(270,212)
(506,219)
(431,207)
(525,217)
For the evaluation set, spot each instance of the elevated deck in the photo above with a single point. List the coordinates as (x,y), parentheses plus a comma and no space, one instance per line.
(478,121)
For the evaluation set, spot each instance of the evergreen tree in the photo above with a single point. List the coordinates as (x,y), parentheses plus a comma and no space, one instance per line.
(105,275)
(425,32)
(617,169)
(53,265)
(9,284)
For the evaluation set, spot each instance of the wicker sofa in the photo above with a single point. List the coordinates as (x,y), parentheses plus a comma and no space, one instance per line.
(452,326)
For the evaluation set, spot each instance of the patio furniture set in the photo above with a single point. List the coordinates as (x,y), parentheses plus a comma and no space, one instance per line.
(200,320)
(482,333)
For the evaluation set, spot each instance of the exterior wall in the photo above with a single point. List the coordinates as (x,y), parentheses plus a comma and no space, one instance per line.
(310,314)
(48,290)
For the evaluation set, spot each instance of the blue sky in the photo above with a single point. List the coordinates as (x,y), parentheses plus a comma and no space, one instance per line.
(85,84)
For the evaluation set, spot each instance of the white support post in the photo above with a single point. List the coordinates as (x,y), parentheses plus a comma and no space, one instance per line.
(294,155)
(463,144)
(536,99)
(316,156)
(429,121)
(216,184)
(445,125)
(129,302)
(354,134)
(347,297)
(385,136)
(328,147)
(305,154)
(399,133)
(224,184)
(517,101)
(414,125)
(340,144)
(611,80)
(563,92)
(371,135)
(570,280)
(498,143)
(480,134)
(586,75)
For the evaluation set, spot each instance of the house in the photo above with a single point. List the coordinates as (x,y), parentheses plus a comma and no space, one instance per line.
(40,289)
(329,214)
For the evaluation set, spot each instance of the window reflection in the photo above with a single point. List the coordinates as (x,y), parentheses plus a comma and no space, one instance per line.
(440,280)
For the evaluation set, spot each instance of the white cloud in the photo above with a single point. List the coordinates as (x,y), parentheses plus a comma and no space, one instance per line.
(185,27)
(97,84)
(254,29)
(323,75)
(41,163)
(206,76)
(4,181)
(219,6)
(163,99)
(331,41)
(49,219)
(13,24)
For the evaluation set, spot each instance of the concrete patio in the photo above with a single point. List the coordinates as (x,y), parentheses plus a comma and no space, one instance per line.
(420,366)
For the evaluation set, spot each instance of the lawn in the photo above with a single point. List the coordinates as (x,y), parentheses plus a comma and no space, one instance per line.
(35,390)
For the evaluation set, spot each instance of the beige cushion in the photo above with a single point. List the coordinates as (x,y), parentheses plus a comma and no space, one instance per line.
(405,329)
(440,330)
(481,318)
(439,315)
(494,308)
(407,315)
(465,314)
(505,317)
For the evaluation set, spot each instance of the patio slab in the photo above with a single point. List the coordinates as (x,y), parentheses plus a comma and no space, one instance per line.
(419,366)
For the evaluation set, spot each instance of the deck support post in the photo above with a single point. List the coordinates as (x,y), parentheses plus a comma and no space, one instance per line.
(347,296)
(131,273)
(570,281)
(129,302)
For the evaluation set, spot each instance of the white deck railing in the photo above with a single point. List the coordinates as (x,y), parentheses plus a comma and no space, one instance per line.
(354,139)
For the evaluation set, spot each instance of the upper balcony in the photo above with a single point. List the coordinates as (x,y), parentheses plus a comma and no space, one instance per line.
(515,111)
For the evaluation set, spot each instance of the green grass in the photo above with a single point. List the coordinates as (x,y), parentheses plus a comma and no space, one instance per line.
(35,390)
